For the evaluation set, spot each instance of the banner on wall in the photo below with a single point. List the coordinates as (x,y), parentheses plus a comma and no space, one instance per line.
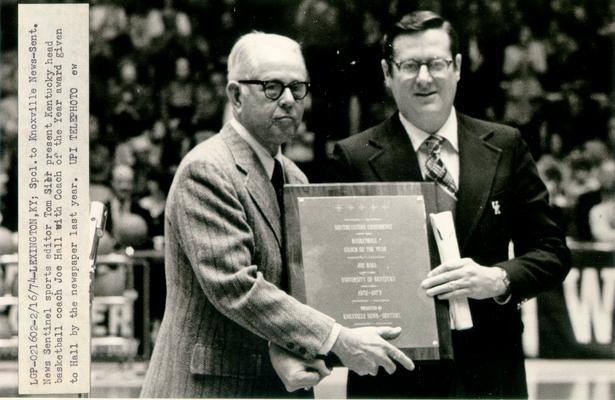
(577,319)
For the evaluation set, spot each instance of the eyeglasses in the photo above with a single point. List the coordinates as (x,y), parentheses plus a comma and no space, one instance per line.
(274,89)
(411,68)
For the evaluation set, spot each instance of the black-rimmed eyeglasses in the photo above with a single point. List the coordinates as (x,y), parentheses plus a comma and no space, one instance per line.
(411,67)
(274,89)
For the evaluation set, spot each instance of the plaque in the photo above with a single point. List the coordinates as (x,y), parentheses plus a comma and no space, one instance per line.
(358,253)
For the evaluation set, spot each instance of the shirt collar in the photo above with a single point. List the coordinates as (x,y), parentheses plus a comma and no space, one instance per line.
(447,131)
(263,155)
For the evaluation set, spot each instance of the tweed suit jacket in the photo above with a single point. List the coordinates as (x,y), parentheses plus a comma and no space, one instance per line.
(500,198)
(223,266)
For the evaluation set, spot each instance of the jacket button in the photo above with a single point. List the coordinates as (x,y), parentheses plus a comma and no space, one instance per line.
(302,350)
(290,346)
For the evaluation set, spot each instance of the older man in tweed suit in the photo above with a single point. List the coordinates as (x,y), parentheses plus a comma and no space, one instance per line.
(225,313)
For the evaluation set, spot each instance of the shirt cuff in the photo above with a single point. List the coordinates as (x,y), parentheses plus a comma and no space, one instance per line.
(328,344)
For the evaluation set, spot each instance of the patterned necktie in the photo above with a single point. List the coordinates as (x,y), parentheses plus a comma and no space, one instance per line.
(435,168)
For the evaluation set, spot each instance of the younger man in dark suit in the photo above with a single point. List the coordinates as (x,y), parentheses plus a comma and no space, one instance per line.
(498,197)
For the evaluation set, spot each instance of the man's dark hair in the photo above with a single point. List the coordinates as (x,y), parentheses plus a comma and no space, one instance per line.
(418,21)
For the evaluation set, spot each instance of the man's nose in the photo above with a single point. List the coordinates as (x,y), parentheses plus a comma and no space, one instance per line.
(424,75)
(286,99)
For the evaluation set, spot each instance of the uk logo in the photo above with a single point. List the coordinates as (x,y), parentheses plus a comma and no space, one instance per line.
(496,207)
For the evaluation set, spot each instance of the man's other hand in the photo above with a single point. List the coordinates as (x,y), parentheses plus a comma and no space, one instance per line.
(463,277)
(364,350)
(295,372)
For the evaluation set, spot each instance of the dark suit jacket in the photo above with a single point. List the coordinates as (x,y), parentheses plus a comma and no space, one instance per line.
(223,264)
(495,166)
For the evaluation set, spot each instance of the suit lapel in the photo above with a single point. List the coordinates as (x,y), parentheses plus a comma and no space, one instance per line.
(395,159)
(477,165)
(257,182)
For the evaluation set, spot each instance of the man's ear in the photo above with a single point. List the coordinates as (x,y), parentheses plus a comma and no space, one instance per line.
(386,71)
(458,66)
(233,93)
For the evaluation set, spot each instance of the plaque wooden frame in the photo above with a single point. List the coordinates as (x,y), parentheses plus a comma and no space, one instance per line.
(434,202)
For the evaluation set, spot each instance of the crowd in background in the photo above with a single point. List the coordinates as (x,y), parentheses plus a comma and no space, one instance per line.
(158,76)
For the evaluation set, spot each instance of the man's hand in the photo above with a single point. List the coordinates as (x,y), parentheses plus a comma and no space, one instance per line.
(465,278)
(296,373)
(365,349)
